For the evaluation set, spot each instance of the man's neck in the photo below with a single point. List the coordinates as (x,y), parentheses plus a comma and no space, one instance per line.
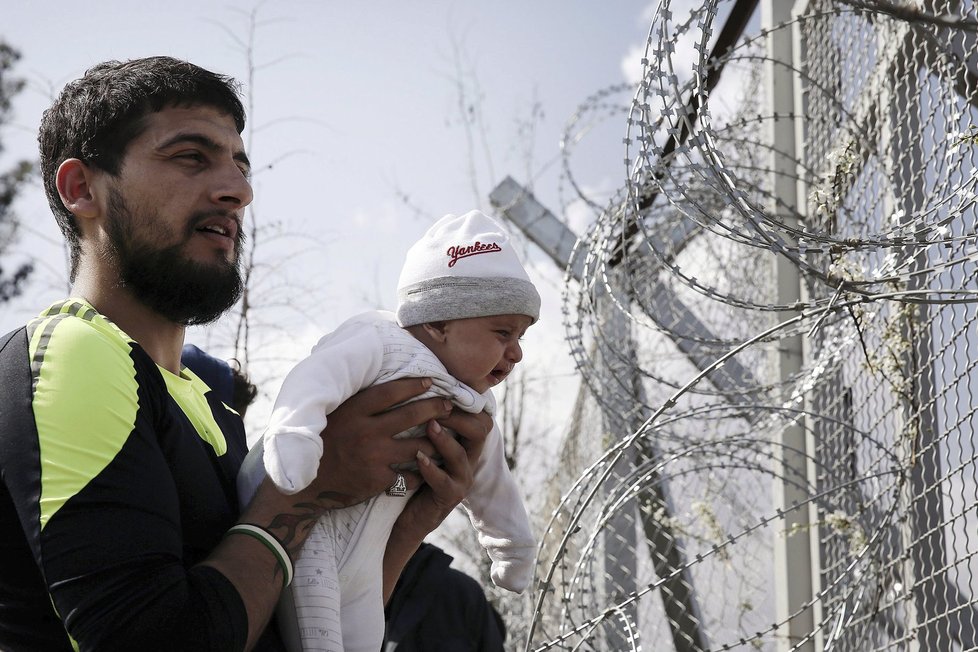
(161,338)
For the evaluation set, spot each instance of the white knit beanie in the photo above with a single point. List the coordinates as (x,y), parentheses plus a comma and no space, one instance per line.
(464,266)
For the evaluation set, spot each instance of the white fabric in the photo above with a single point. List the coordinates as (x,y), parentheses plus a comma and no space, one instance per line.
(366,350)
(464,266)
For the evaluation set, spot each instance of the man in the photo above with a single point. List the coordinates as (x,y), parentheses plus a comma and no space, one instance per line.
(118,510)
(435,606)
(226,379)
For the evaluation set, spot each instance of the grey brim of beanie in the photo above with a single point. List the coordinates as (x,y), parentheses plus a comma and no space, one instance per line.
(462,297)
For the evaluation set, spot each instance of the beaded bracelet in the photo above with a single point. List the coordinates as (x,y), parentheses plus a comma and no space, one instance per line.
(267,538)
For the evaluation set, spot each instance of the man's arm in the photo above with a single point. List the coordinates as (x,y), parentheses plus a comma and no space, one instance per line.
(359,450)
(106,566)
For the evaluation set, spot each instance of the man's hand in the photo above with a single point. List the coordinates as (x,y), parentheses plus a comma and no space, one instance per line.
(359,450)
(444,487)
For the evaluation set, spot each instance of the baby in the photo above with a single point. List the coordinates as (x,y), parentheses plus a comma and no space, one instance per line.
(464,301)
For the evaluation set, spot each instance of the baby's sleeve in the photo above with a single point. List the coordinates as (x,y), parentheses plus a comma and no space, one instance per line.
(495,508)
(340,365)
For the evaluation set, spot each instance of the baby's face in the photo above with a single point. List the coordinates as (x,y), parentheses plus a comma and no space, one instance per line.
(482,351)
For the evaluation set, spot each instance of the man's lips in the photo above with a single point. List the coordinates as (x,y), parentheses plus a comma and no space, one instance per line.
(223,226)
(220,228)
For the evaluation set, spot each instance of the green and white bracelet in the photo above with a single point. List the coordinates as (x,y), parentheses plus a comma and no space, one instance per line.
(267,538)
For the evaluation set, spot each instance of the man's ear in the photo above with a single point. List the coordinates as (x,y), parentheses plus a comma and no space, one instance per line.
(74,181)
(435,330)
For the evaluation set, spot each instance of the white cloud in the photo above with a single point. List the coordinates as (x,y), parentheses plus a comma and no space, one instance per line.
(631,64)
(579,216)
(683,58)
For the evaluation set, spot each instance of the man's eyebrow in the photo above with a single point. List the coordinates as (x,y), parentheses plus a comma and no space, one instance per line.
(242,158)
(204,141)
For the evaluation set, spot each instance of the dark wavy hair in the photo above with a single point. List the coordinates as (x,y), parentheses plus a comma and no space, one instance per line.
(97,116)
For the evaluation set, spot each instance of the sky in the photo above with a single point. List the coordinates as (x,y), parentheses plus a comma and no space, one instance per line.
(368,121)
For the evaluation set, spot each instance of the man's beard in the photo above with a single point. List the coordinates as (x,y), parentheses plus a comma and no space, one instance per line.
(163,279)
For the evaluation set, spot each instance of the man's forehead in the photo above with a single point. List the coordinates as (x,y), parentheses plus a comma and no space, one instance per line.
(168,123)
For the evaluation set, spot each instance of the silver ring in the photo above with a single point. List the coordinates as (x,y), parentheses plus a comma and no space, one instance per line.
(399,488)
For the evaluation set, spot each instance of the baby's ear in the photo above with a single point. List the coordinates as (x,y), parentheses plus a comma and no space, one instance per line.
(435,330)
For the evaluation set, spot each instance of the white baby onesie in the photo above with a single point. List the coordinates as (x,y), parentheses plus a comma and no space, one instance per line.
(335,602)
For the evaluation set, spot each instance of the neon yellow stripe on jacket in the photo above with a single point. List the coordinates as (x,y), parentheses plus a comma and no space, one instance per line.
(188,391)
(81,425)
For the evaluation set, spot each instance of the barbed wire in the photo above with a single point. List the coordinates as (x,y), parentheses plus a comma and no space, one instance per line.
(774,317)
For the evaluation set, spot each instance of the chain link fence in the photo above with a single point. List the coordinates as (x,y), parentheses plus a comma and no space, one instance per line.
(775,323)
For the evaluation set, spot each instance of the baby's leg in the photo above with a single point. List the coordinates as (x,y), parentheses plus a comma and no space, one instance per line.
(309,611)
(361,571)
(363,613)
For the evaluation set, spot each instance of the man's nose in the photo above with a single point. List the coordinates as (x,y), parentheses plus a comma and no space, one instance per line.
(232,187)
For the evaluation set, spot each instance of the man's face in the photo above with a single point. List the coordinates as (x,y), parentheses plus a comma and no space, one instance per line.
(173,214)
